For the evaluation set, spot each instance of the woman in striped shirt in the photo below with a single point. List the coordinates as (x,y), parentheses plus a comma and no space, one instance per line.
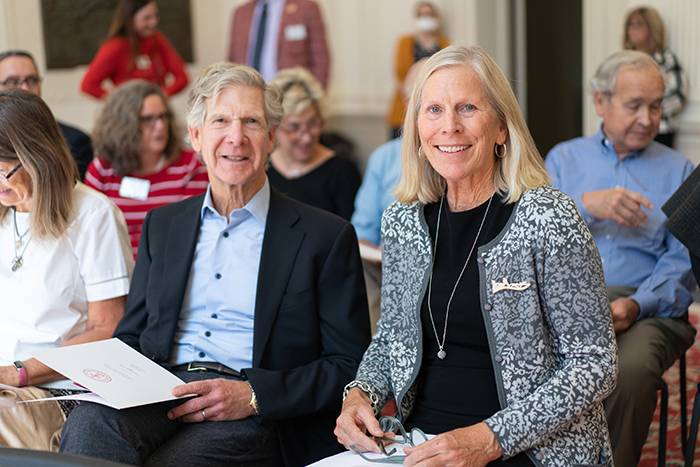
(140,164)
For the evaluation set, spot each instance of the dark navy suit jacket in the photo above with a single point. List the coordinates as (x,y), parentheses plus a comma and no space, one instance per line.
(311,319)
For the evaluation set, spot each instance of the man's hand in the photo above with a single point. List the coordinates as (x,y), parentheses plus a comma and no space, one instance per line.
(625,312)
(221,399)
(619,204)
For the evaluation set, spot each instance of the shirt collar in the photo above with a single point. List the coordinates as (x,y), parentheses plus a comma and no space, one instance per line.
(258,206)
(608,148)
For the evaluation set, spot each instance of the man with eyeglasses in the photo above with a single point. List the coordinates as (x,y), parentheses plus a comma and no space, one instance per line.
(18,70)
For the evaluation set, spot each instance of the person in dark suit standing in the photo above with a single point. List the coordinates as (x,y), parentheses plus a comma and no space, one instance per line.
(255,300)
(18,70)
(271,35)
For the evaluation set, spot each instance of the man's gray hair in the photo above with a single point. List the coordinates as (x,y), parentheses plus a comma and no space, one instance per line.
(605,77)
(212,80)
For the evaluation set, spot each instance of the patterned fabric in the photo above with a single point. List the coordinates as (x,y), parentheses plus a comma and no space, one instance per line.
(66,406)
(552,344)
(676,92)
(178,180)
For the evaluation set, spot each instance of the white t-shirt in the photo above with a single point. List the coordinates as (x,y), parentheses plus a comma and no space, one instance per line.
(45,302)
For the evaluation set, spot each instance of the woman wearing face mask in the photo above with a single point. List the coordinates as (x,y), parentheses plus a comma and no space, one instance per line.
(135,49)
(424,42)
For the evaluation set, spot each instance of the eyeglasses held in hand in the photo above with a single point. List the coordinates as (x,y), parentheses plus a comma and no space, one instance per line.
(150,120)
(4,178)
(392,425)
(32,81)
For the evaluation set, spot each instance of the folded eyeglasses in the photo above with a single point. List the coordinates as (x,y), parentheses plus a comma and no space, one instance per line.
(402,438)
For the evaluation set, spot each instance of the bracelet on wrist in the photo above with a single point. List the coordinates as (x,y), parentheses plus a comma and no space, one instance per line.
(253,399)
(23,379)
(364,387)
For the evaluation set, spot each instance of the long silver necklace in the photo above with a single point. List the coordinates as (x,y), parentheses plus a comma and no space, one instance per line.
(17,261)
(441,353)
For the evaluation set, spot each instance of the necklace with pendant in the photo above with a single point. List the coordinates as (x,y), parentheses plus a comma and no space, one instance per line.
(17,261)
(441,353)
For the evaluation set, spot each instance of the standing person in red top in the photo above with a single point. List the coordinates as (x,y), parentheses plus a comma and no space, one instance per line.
(139,163)
(135,49)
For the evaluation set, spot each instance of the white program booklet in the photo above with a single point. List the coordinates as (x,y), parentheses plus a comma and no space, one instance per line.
(119,376)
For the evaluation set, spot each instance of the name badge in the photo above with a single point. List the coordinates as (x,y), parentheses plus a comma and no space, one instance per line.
(143,62)
(295,32)
(134,188)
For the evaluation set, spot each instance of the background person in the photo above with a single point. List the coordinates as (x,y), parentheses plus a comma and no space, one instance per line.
(135,49)
(515,368)
(271,35)
(300,166)
(254,299)
(424,42)
(64,265)
(18,70)
(140,163)
(619,179)
(645,32)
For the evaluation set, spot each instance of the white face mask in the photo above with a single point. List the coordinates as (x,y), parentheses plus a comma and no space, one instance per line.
(427,24)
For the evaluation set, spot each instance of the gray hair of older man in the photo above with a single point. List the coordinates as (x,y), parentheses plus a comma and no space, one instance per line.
(211,81)
(605,78)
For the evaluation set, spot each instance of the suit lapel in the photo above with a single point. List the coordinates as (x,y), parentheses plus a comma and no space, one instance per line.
(183,233)
(280,246)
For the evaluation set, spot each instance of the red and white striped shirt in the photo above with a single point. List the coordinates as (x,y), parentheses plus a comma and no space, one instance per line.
(182,179)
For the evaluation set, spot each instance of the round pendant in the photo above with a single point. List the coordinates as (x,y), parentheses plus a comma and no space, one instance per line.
(442,354)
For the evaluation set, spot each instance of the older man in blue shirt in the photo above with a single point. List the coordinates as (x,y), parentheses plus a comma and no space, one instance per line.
(620,178)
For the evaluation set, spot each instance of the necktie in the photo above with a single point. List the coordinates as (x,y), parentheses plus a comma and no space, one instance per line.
(260,39)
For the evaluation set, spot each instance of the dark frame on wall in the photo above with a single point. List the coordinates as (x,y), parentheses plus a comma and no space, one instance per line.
(75,29)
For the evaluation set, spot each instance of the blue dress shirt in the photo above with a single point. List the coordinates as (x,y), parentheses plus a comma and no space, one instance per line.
(648,257)
(374,196)
(218,311)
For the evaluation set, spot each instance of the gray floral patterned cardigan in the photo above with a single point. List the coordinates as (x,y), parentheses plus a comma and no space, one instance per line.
(552,344)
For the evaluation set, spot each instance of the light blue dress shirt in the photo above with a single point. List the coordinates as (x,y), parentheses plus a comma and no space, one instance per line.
(218,311)
(648,257)
(374,196)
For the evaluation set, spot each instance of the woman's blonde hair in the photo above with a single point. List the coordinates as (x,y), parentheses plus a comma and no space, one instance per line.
(301,91)
(521,169)
(117,133)
(657,30)
(29,134)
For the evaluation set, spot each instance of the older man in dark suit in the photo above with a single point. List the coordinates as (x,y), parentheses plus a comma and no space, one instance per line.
(255,300)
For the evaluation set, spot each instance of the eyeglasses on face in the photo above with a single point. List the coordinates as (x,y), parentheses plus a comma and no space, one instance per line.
(16,82)
(150,120)
(297,129)
(392,425)
(4,178)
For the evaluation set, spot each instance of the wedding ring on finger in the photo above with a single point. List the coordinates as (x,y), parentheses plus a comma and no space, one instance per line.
(204,416)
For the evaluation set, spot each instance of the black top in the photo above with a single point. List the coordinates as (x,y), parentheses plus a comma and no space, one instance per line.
(331,186)
(80,147)
(460,390)
(420,53)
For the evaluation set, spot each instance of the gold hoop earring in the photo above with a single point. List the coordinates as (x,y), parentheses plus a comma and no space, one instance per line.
(503,153)
(421,153)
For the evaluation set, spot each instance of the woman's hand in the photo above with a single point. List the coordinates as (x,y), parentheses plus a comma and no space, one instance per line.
(356,417)
(474,446)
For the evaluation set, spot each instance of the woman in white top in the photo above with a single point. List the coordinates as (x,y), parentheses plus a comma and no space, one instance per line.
(65,263)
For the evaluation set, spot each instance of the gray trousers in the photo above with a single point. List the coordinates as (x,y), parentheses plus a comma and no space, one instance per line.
(645,351)
(144,436)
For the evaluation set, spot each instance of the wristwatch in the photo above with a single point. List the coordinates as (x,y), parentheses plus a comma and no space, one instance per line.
(23,380)
(253,399)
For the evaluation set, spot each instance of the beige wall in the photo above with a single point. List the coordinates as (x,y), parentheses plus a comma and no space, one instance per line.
(603,28)
(362,36)
(361,33)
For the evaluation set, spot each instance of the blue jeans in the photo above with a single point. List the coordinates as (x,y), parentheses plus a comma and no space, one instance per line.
(144,436)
